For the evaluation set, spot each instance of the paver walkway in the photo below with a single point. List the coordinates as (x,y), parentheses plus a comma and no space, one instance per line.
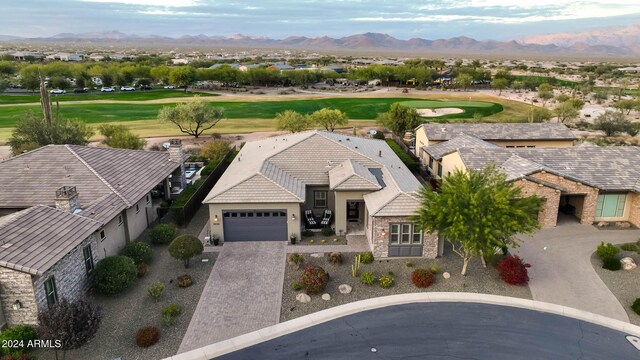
(243,293)
(562,274)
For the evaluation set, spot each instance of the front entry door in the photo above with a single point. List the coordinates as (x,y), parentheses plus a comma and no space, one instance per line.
(353,211)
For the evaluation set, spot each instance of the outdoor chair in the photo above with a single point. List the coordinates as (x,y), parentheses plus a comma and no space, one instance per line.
(326,219)
(311,220)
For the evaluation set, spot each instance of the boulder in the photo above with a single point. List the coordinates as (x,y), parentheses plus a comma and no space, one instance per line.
(602,224)
(303,298)
(317,255)
(623,225)
(628,263)
(446,275)
(326,297)
(345,289)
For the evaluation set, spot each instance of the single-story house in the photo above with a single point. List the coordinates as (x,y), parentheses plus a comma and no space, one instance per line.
(274,185)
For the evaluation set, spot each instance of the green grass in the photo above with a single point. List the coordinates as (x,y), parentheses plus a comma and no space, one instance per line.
(545,79)
(118,96)
(469,107)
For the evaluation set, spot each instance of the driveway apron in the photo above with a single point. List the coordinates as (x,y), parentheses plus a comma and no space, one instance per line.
(243,293)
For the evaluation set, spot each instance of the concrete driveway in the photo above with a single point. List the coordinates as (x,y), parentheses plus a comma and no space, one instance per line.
(243,293)
(562,274)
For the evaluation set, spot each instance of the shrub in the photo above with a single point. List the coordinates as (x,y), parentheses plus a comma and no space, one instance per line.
(147,336)
(140,252)
(18,357)
(307,233)
(422,278)
(155,290)
(335,258)
(73,324)
(143,269)
(184,247)
(366,257)
(629,247)
(606,250)
(167,320)
(408,264)
(162,234)
(296,286)
(611,263)
(296,259)
(21,334)
(314,279)
(636,306)
(172,310)
(434,268)
(114,274)
(513,270)
(386,281)
(378,135)
(367,278)
(327,231)
(184,281)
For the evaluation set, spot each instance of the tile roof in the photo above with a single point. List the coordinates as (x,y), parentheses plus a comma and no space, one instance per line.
(500,131)
(439,150)
(351,175)
(35,239)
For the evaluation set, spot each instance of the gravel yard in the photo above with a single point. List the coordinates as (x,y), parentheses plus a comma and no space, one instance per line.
(625,285)
(478,280)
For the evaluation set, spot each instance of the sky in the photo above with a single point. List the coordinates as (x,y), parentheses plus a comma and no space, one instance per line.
(404,19)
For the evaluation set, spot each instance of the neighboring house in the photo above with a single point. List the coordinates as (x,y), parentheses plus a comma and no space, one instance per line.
(265,192)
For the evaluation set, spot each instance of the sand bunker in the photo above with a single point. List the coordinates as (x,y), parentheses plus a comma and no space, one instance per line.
(438,112)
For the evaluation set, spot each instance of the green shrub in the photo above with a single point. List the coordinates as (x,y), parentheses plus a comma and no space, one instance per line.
(435,269)
(172,310)
(366,257)
(408,264)
(636,306)
(162,234)
(327,231)
(378,135)
(406,159)
(114,274)
(314,279)
(605,251)
(367,278)
(143,269)
(184,247)
(21,335)
(611,263)
(296,286)
(140,252)
(386,281)
(638,242)
(296,259)
(307,233)
(168,320)
(629,247)
(155,290)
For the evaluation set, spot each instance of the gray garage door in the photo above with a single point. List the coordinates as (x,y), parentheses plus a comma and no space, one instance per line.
(255,225)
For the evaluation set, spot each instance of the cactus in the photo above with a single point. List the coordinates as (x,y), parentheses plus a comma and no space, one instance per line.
(356,266)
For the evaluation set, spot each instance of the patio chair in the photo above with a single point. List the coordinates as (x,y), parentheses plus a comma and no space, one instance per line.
(311,220)
(326,219)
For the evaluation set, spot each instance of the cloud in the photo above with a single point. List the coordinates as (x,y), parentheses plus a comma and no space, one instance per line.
(162,3)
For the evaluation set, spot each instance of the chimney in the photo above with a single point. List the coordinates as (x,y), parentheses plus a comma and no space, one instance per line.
(178,180)
(67,199)
(175,150)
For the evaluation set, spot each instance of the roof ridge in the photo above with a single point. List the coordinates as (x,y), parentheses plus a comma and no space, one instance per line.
(68,147)
(28,152)
(389,201)
(229,187)
(273,181)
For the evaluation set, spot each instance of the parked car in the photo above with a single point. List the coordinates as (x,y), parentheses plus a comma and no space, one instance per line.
(127,88)
(169,87)
(107,89)
(57,91)
(145,87)
(80,90)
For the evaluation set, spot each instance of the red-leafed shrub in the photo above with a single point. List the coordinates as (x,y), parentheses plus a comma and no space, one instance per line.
(314,279)
(513,270)
(147,336)
(422,278)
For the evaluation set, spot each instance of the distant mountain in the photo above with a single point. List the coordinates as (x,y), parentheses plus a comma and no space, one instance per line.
(9,37)
(617,36)
(381,42)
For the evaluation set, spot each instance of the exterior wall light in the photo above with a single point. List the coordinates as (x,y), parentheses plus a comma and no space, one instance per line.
(17,305)
(293,217)
(216,221)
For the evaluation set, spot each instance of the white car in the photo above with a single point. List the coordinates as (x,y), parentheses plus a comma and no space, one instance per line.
(127,88)
(107,89)
(169,87)
(57,91)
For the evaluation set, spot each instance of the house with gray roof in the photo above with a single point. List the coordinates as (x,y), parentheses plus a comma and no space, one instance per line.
(277,187)
(65,207)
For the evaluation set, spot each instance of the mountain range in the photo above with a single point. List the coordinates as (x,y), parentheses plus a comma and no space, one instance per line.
(621,41)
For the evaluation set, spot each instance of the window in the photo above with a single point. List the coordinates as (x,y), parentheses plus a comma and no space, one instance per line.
(120,220)
(137,208)
(320,199)
(611,205)
(88,259)
(405,234)
(430,162)
(50,291)
(439,170)
(102,235)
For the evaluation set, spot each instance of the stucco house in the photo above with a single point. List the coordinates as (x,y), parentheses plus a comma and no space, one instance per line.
(271,184)
(65,207)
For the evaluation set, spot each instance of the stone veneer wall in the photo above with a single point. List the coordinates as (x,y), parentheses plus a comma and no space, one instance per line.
(590,194)
(548,215)
(17,285)
(380,243)
(634,208)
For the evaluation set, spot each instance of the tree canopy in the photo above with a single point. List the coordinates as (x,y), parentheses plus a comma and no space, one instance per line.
(119,136)
(329,119)
(193,117)
(33,132)
(182,76)
(400,119)
(292,121)
(566,111)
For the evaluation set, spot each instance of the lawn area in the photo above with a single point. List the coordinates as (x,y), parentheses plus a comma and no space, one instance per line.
(96,95)
(469,107)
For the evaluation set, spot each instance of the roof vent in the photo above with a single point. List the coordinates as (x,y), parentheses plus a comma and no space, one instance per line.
(444,129)
(356,146)
(380,153)
(6,245)
(348,139)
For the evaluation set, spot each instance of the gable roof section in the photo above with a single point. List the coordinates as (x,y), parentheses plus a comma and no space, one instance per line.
(351,175)
(500,131)
(389,201)
(35,239)
(257,188)
(447,147)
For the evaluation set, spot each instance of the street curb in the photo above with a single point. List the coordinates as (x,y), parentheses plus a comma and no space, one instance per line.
(303,322)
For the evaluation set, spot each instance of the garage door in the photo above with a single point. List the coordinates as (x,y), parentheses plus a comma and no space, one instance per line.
(255,225)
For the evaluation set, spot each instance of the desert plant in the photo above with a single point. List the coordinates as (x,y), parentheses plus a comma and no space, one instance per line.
(314,279)
(307,233)
(296,286)
(366,257)
(162,234)
(168,320)
(184,247)
(629,247)
(327,231)
(155,290)
(184,281)
(172,310)
(143,269)
(604,251)
(422,278)
(296,259)
(435,269)
(147,336)
(386,281)
(15,340)
(367,278)
(335,258)
(138,251)
(114,274)
(636,306)
(356,265)
(513,270)
(408,264)
(611,263)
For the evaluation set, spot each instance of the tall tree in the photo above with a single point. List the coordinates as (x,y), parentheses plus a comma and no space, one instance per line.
(32,132)
(119,136)
(611,122)
(400,119)
(626,106)
(329,119)
(500,84)
(293,121)
(476,211)
(464,80)
(193,117)
(565,111)
(545,92)
(182,76)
